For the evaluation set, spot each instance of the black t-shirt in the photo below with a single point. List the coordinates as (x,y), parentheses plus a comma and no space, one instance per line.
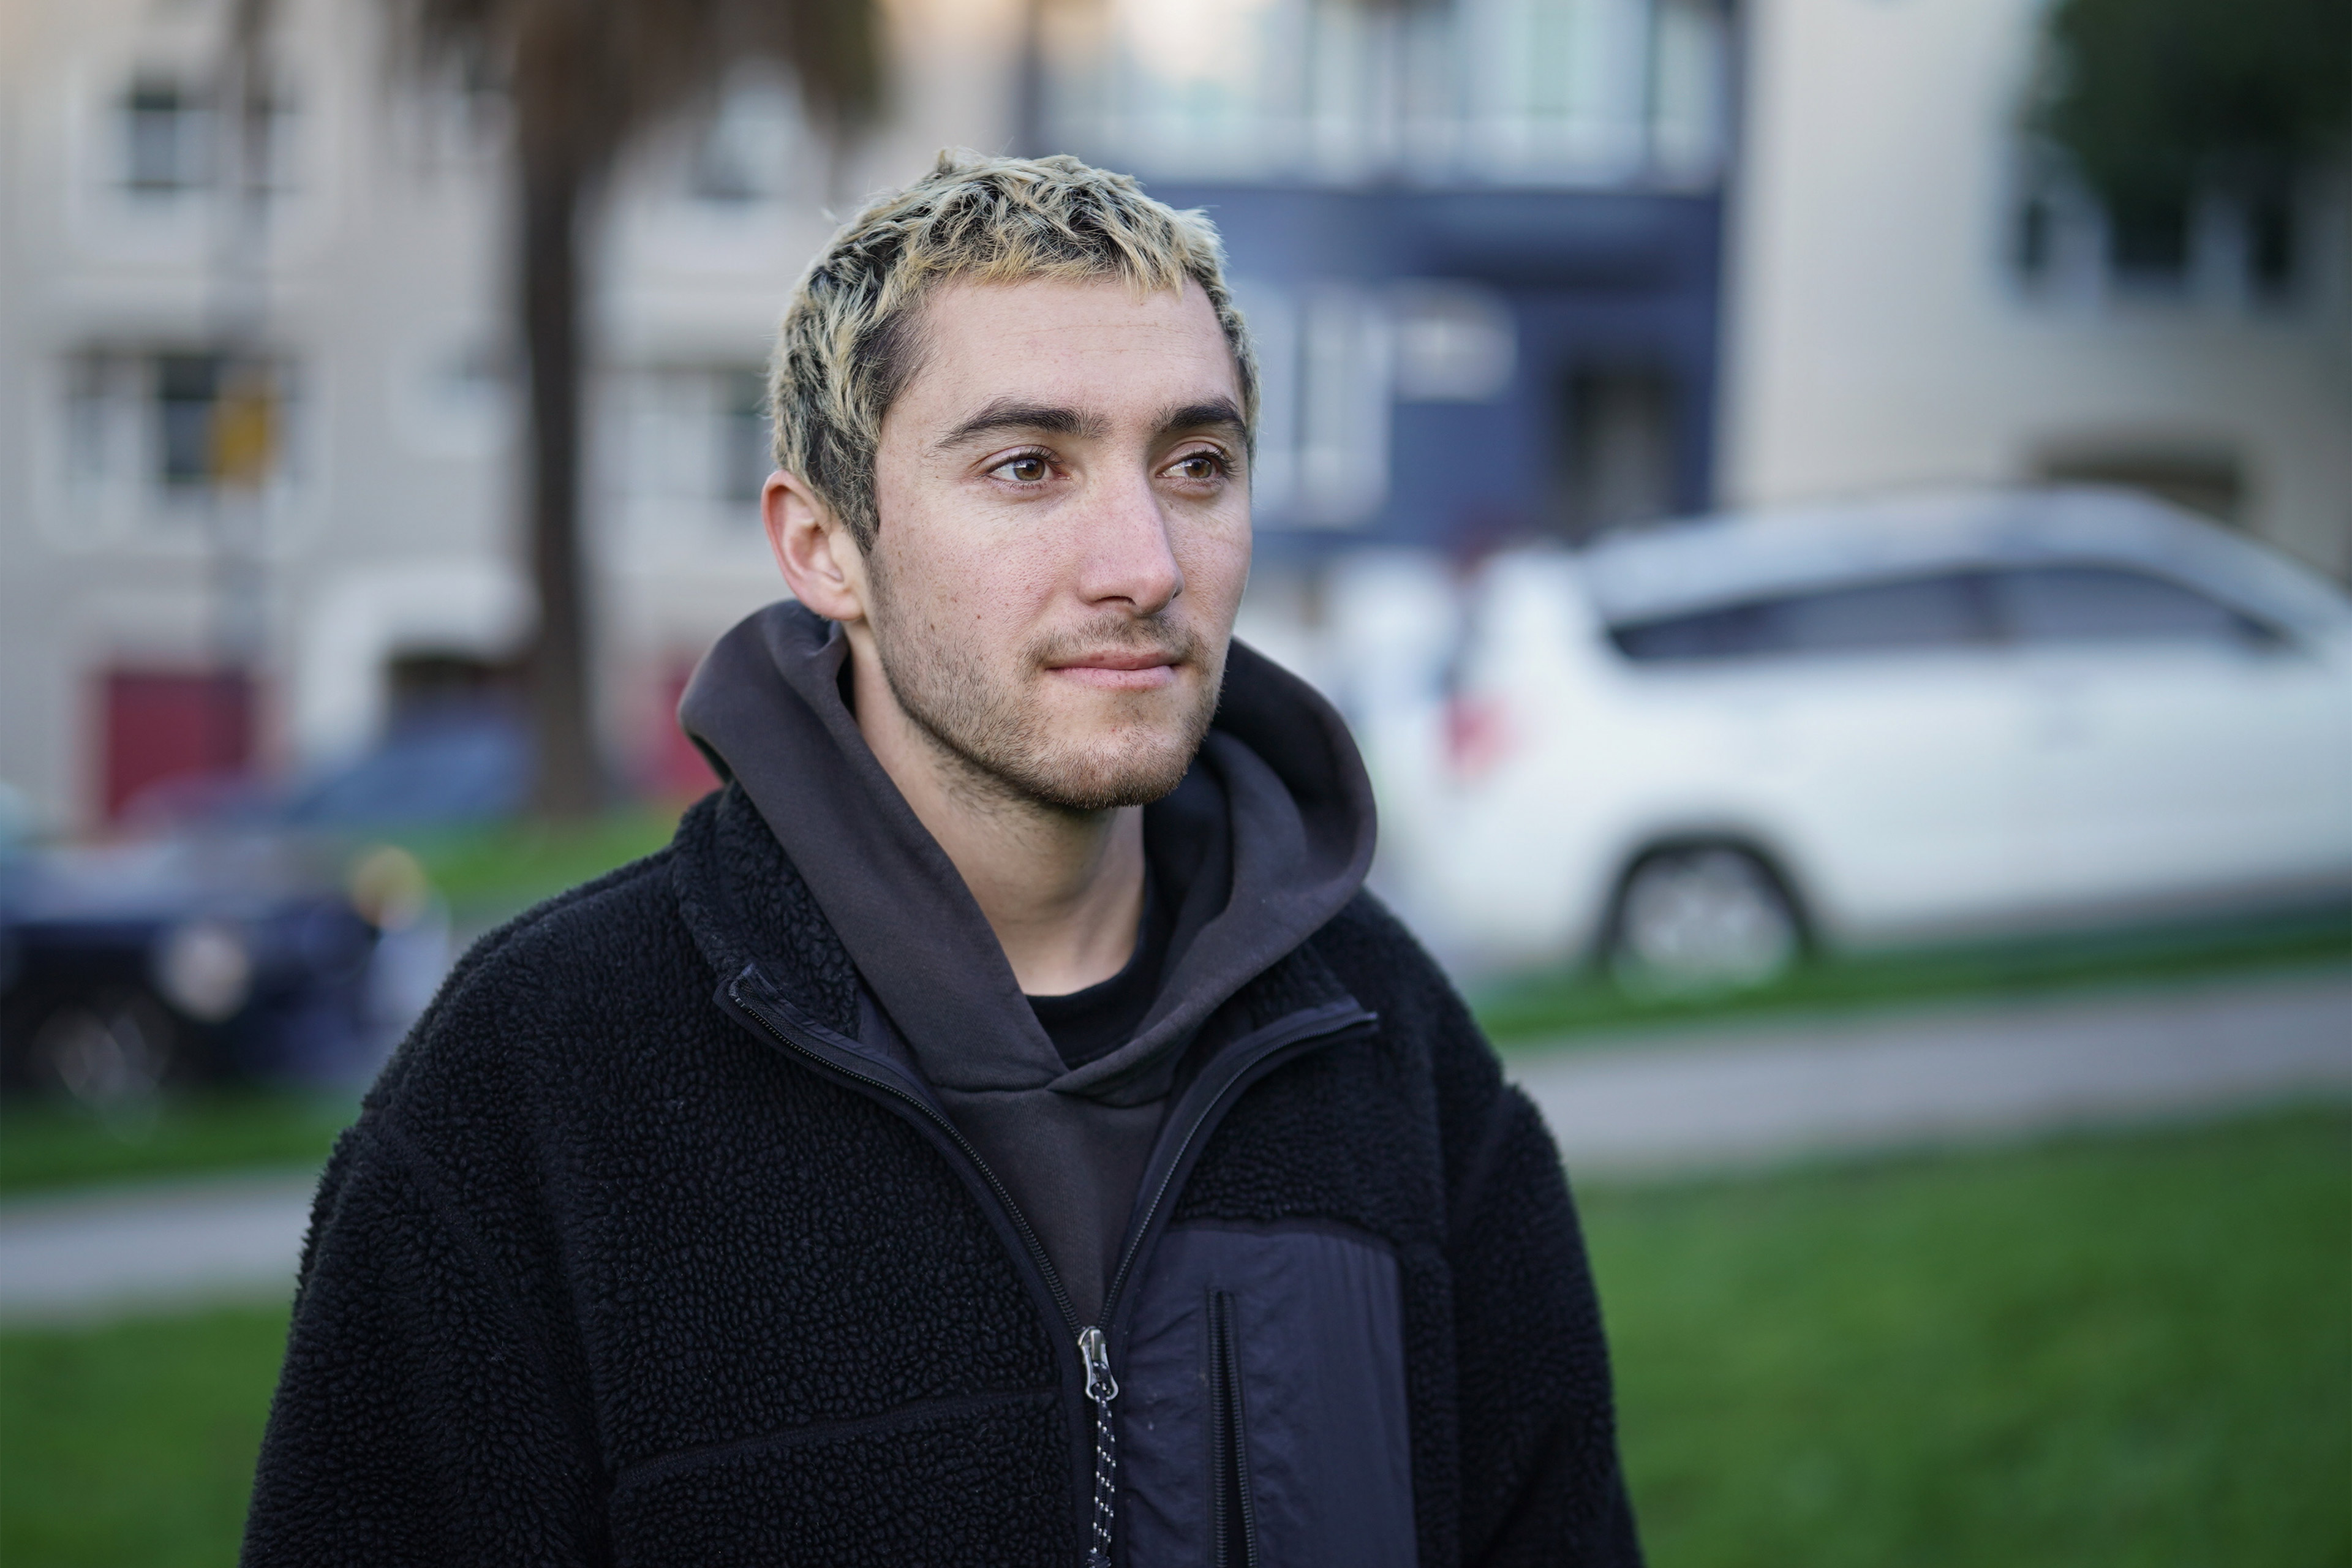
(1084,1025)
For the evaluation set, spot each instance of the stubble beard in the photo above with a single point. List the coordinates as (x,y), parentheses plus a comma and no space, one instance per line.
(997,733)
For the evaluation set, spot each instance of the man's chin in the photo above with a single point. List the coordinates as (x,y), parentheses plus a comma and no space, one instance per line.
(1121,774)
(1071,746)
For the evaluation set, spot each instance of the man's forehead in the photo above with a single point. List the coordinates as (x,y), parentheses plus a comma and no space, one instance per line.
(1098,346)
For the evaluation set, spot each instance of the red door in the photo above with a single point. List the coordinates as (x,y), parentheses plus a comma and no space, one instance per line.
(162,725)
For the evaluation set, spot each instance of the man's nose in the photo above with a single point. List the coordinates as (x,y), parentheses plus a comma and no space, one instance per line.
(1126,554)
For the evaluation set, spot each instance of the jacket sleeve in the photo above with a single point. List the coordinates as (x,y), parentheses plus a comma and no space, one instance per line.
(418,1418)
(1540,1477)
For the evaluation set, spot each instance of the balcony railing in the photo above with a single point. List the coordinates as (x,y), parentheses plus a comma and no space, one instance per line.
(1573,93)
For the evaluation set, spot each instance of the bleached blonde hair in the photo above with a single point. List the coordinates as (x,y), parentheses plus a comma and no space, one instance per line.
(849,340)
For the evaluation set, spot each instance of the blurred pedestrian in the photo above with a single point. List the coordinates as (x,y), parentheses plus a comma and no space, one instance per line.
(1000,1128)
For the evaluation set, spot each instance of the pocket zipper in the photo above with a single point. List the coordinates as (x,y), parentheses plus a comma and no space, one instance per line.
(1233,1510)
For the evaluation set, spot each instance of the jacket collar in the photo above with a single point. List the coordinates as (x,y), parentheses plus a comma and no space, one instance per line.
(1277,774)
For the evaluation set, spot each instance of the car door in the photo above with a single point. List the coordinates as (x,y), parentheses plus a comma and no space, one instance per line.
(2178,747)
(1883,741)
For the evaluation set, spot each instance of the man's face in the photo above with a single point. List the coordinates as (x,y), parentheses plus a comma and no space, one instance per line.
(1065,536)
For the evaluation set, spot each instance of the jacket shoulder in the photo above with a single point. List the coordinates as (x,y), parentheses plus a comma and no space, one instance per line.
(1387,970)
(1366,919)
(567,957)
(1421,1010)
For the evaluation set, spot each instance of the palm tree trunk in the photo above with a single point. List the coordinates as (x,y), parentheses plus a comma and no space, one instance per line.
(1029,83)
(569,778)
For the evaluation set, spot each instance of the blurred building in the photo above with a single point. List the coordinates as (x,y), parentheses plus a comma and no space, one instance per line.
(1921,294)
(1516,266)
(1479,244)
(259,426)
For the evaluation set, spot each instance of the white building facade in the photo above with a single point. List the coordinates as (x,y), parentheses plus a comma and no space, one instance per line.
(371,304)
(1913,301)
(1908,301)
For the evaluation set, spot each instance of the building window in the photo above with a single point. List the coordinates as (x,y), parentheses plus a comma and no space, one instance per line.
(749,148)
(2148,240)
(695,435)
(746,454)
(1619,448)
(187,391)
(167,137)
(2216,246)
(173,140)
(1325,357)
(2206,480)
(217,421)
(184,422)
(1553,92)
(2037,239)
(429,688)
(1456,342)
(102,424)
(2270,243)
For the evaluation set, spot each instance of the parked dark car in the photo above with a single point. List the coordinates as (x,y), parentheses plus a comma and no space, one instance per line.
(201,957)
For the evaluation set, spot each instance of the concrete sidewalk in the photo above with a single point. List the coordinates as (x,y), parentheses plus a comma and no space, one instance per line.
(1728,1095)
(185,1243)
(1724,1096)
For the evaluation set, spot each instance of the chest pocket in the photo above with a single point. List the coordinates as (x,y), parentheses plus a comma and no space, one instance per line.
(1262,1405)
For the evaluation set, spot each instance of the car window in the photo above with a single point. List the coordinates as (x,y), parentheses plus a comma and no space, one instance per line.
(2108,604)
(1909,614)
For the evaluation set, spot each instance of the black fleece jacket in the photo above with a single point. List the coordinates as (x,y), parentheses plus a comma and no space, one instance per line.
(1267,837)
(631,1258)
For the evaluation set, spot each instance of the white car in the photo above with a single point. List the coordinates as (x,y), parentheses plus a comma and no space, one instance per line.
(1696,749)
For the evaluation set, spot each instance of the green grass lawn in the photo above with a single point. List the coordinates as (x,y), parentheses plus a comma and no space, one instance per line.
(1562,1004)
(497,869)
(133,1444)
(2127,1350)
(494,870)
(2134,1350)
(58,1143)
(47,1145)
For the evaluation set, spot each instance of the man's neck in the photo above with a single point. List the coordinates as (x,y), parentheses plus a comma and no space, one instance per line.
(1062,889)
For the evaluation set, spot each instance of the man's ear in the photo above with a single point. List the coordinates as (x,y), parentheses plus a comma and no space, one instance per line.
(821,563)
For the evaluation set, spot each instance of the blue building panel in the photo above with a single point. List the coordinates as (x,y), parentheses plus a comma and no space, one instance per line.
(1613,303)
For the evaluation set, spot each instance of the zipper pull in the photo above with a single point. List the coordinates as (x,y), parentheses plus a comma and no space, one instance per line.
(1094,1348)
(1093,1352)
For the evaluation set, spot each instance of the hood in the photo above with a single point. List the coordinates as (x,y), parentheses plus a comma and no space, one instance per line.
(1275,818)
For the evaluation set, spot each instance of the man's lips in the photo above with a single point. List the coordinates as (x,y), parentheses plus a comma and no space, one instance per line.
(1120,669)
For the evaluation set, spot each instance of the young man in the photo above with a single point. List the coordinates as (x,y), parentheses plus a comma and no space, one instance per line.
(999,1130)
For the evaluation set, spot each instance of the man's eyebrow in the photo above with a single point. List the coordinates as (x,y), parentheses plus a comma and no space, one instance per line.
(1217,412)
(1007,414)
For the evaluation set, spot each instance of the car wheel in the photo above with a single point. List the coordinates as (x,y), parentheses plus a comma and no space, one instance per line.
(1709,918)
(111,1051)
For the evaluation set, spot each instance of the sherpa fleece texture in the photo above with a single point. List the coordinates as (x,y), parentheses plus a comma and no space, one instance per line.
(600,1276)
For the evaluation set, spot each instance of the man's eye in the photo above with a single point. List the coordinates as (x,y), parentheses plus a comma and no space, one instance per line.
(1028,468)
(1200,467)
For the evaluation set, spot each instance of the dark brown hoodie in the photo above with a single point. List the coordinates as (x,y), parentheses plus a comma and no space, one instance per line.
(1268,836)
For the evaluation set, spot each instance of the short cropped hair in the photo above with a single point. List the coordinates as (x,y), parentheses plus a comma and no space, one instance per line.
(848,343)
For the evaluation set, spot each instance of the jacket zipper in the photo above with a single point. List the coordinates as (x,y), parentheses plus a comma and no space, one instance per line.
(1094,1343)
(1093,1340)
(1233,1507)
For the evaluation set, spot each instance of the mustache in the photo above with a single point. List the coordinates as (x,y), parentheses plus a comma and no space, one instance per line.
(1114,633)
